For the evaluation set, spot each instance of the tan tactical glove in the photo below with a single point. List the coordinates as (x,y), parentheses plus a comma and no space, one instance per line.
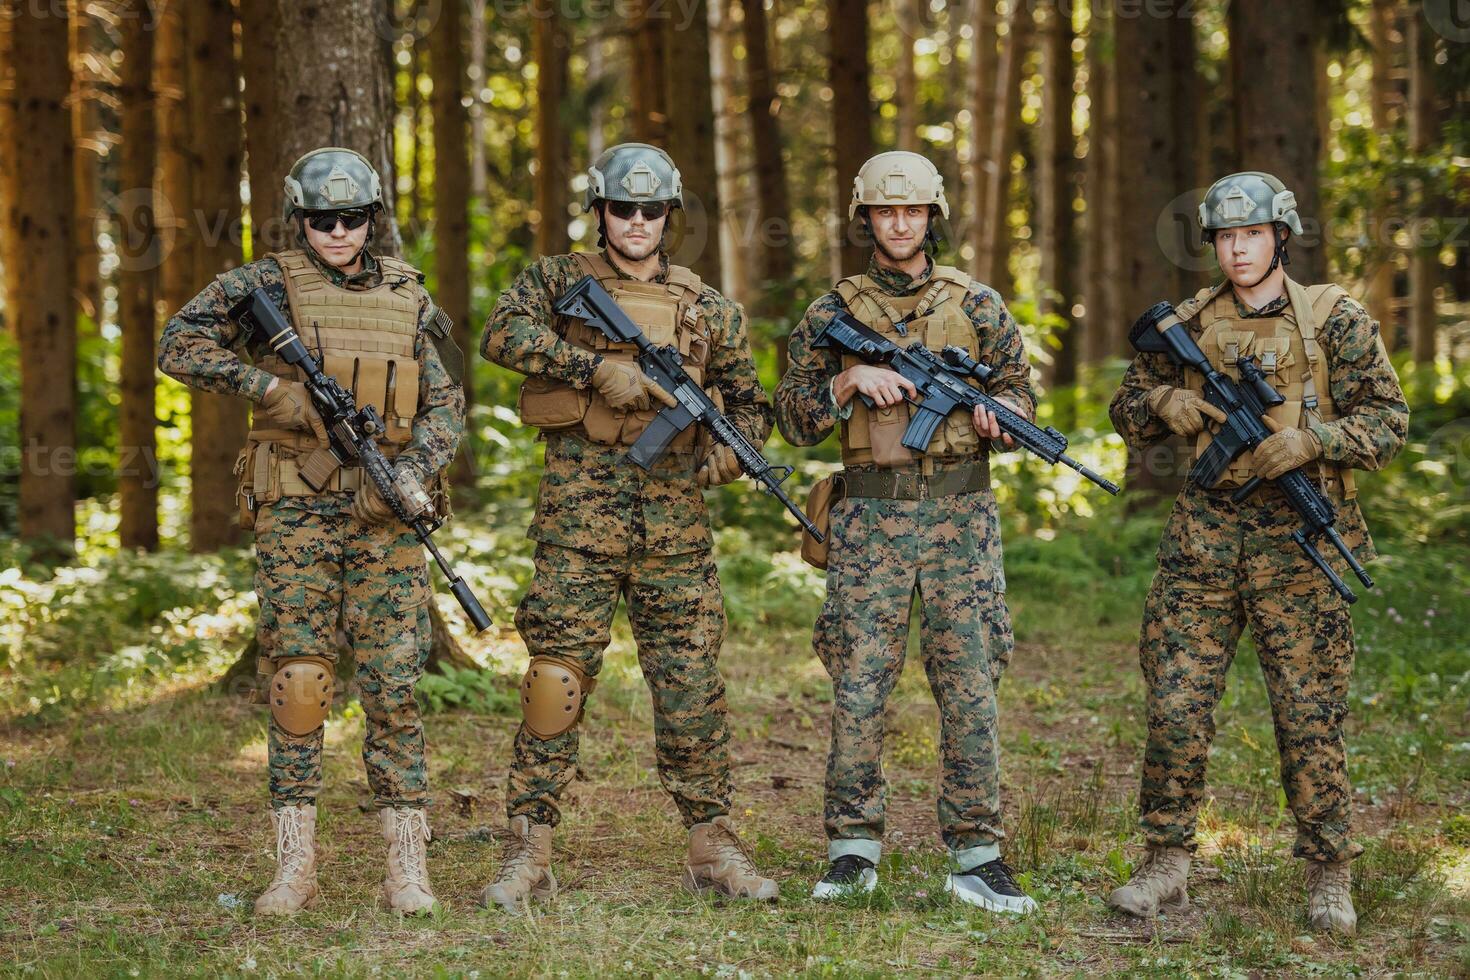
(1182,410)
(288,406)
(719,468)
(1284,451)
(369,506)
(626,387)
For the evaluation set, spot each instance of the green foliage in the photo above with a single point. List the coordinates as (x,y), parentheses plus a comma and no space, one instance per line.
(468,689)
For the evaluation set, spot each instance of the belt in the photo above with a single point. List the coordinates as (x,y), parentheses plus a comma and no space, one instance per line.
(896,485)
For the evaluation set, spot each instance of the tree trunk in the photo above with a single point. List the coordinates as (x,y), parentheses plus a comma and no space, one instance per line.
(852,113)
(994,267)
(1382,255)
(649,73)
(85,162)
(597,98)
(217,147)
(724,84)
(451,206)
(177,278)
(259,25)
(1275,85)
(417,109)
(1056,179)
(906,92)
(982,106)
(692,138)
(1423,131)
(776,252)
(1102,193)
(9,172)
(39,302)
(478,169)
(139,249)
(553,154)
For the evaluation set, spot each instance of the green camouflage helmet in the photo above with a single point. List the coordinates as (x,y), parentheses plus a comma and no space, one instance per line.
(1244,199)
(633,172)
(331,178)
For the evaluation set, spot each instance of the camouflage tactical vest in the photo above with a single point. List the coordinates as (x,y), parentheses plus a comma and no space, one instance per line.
(365,340)
(935,315)
(667,313)
(1289,354)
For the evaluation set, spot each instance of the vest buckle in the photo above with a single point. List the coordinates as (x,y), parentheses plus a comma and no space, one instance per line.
(1268,361)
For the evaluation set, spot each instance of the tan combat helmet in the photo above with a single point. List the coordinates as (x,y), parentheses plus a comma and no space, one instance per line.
(1244,199)
(633,172)
(331,178)
(897,177)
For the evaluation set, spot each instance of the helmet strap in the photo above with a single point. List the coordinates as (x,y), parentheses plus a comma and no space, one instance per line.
(1278,256)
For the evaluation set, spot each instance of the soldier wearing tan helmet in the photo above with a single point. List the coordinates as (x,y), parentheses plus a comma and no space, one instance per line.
(337,553)
(905,523)
(607,530)
(1225,565)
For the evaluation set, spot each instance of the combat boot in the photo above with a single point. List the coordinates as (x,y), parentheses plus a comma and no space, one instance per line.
(1158,885)
(526,871)
(406,886)
(718,862)
(1329,898)
(294,886)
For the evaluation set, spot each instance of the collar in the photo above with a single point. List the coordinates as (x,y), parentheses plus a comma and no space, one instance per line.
(662,276)
(896,283)
(367,278)
(1273,308)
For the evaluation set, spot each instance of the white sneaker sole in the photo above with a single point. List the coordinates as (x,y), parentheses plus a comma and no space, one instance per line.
(961,887)
(866,882)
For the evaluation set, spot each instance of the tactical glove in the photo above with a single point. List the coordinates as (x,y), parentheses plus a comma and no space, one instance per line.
(1284,451)
(626,387)
(1182,410)
(369,506)
(288,406)
(719,468)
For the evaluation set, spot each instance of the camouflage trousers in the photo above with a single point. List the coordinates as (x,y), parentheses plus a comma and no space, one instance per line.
(318,567)
(1223,567)
(948,551)
(678,618)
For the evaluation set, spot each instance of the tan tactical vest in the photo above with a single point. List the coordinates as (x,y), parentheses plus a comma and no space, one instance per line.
(364,339)
(1289,353)
(667,313)
(935,315)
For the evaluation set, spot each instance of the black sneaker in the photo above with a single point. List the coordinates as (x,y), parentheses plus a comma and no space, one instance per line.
(849,875)
(991,886)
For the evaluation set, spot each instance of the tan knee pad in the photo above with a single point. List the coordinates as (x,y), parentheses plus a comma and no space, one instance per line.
(301,693)
(553,693)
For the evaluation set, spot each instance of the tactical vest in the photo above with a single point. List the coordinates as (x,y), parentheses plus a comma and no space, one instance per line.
(667,313)
(935,315)
(362,338)
(1289,354)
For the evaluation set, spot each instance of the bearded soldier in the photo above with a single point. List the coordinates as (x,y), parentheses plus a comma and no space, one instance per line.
(907,523)
(1225,565)
(605,528)
(339,554)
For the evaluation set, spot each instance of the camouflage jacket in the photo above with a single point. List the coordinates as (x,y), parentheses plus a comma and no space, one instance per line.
(592,498)
(1373,415)
(805,412)
(202,347)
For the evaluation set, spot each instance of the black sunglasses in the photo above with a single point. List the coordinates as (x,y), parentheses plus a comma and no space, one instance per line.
(652,210)
(352,219)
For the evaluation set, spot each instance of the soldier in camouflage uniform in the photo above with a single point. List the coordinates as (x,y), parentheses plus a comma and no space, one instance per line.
(903,523)
(606,529)
(1225,565)
(338,555)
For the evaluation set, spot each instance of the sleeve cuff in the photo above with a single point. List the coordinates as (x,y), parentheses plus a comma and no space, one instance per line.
(843,412)
(256,383)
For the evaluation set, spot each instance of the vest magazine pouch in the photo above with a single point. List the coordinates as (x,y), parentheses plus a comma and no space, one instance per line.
(886,427)
(403,399)
(259,471)
(651,307)
(824,495)
(549,404)
(956,437)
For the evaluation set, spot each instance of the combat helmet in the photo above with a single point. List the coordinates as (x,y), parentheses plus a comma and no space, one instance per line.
(633,172)
(331,178)
(1244,199)
(897,177)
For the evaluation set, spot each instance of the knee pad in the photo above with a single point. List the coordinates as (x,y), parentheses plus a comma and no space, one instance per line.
(553,694)
(301,694)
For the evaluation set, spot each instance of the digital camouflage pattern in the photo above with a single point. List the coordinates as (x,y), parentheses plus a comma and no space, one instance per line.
(316,564)
(591,498)
(607,529)
(1225,566)
(948,550)
(678,617)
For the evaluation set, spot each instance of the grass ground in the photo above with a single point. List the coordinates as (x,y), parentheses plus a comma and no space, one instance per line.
(133,832)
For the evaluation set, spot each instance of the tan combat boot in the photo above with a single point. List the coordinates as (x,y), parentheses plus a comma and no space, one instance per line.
(406,886)
(1329,899)
(526,871)
(294,886)
(1158,885)
(718,862)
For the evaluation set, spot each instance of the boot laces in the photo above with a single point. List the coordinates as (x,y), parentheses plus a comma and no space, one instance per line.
(519,855)
(291,849)
(735,850)
(413,831)
(1156,866)
(1330,887)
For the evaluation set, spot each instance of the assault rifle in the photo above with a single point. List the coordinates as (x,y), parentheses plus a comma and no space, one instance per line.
(586,300)
(941,381)
(1246,426)
(352,435)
